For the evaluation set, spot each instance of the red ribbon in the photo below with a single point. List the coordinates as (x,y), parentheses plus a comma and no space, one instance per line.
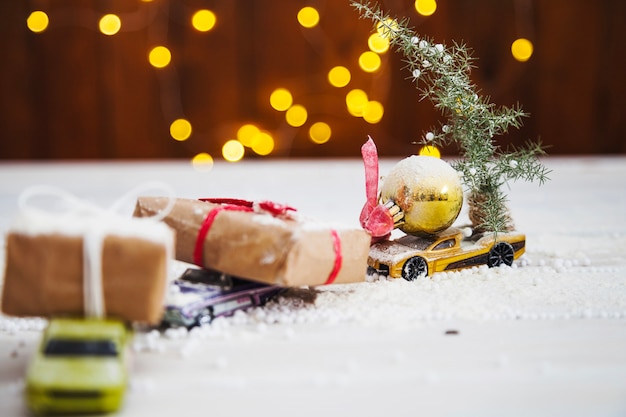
(375,217)
(274,209)
(338,257)
(198,249)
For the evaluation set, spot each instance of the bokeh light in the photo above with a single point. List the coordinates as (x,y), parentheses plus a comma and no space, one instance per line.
(159,57)
(296,115)
(355,101)
(378,43)
(425,7)
(320,132)
(429,150)
(110,24)
(203,20)
(308,17)
(386,29)
(369,61)
(37,21)
(247,134)
(180,129)
(281,99)
(233,150)
(263,144)
(202,162)
(339,76)
(373,112)
(522,49)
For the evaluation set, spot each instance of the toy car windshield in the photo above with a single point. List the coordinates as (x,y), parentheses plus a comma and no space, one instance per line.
(216,278)
(70,347)
(207,277)
(420,243)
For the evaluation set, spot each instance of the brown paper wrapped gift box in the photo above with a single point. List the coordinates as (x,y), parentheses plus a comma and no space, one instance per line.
(44,275)
(264,248)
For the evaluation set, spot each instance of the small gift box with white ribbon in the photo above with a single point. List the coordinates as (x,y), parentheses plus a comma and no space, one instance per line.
(85,261)
(262,241)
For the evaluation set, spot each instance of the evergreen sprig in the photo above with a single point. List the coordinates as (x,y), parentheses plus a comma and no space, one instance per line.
(442,75)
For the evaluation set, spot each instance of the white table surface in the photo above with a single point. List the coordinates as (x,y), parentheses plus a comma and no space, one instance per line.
(547,338)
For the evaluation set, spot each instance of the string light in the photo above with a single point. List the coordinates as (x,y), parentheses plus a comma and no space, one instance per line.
(263,144)
(37,21)
(296,115)
(378,43)
(373,112)
(203,20)
(202,162)
(522,49)
(159,57)
(281,99)
(250,136)
(319,132)
(355,101)
(385,29)
(247,134)
(233,150)
(425,7)
(180,129)
(429,150)
(339,76)
(308,17)
(110,24)
(369,61)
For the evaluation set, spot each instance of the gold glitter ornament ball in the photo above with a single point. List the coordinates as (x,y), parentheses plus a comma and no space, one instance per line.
(427,190)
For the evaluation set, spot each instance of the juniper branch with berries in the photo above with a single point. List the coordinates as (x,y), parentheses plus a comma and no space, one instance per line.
(441,74)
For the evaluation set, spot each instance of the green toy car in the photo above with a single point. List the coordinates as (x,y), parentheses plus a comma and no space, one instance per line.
(80,367)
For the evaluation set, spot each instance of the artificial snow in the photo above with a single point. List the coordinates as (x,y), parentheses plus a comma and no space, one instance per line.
(545,337)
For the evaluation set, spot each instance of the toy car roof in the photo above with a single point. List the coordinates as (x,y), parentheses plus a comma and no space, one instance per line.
(86,328)
(215,278)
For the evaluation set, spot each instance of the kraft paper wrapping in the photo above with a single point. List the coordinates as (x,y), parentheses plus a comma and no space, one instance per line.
(44,276)
(260,247)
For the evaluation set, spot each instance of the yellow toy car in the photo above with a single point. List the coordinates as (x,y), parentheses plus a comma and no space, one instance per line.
(80,367)
(411,256)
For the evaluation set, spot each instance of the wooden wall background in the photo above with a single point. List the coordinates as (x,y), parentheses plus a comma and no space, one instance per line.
(72,92)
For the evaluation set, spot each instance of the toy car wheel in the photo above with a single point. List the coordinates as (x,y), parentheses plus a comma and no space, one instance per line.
(501,253)
(204,317)
(414,267)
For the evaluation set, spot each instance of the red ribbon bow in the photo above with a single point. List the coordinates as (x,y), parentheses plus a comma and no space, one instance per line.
(375,217)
